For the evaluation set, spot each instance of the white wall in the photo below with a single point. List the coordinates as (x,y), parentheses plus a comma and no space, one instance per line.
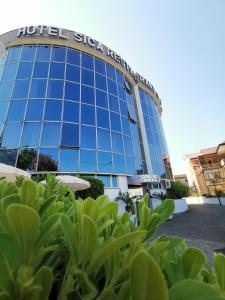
(112,193)
(122,183)
(203,200)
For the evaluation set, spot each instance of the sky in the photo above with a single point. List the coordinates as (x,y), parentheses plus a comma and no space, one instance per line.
(178,45)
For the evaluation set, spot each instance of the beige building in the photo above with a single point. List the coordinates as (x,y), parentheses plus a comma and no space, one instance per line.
(181,178)
(206,171)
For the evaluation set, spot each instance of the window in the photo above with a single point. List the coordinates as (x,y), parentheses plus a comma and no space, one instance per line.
(100,81)
(14,54)
(70,135)
(68,160)
(3,110)
(72,91)
(9,72)
(50,134)
(102,118)
(115,122)
(117,142)
(99,66)
(21,89)
(120,78)
(11,135)
(16,110)
(71,111)
(87,114)
(8,156)
(72,73)
(5,90)
(110,72)
(88,160)
(121,91)
(105,162)
(119,165)
(55,89)
(87,61)
(73,57)
(28,53)
(130,164)
(48,159)
(53,110)
(104,142)
(41,70)
(58,54)
(112,87)
(34,110)
(87,95)
(87,77)
(43,53)
(123,108)
(113,103)
(25,70)
(125,126)
(38,88)
(114,181)
(128,148)
(105,180)
(88,137)
(101,99)
(31,135)
(57,70)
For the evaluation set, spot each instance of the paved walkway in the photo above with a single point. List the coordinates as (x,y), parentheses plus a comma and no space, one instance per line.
(203,226)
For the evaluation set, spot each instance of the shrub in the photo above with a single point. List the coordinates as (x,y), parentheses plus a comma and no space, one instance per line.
(178,190)
(96,189)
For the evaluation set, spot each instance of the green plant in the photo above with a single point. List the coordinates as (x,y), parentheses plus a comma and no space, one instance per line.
(96,189)
(128,200)
(177,190)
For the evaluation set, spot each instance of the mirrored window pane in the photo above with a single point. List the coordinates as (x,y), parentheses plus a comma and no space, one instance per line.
(87,114)
(101,99)
(115,122)
(9,72)
(102,118)
(99,66)
(70,135)
(87,61)
(41,70)
(3,110)
(100,82)
(48,159)
(130,165)
(88,137)
(43,53)
(123,108)
(105,162)
(50,134)
(128,147)
(104,142)
(87,95)
(112,88)
(120,77)
(34,110)
(25,70)
(117,142)
(105,180)
(55,89)
(31,135)
(6,90)
(21,88)
(110,72)
(73,57)
(16,110)
(71,111)
(58,54)
(72,73)
(27,159)
(57,70)
(68,160)
(72,91)
(88,161)
(87,77)
(8,156)
(113,103)
(11,135)
(28,53)
(53,110)
(119,164)
(14,54)
(114,181)
(38,88)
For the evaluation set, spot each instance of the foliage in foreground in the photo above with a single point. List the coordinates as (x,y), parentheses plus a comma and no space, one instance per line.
(55,247)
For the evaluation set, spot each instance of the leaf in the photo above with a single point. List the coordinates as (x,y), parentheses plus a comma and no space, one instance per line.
(147,281)
(84,282)
(106,224)
(124,292)
(46,204)
(113,245)
(10,258)
(44,279)
(26,222)
(29,194)
(190,289)
(90,208)
(11,199)
(110,209)
(69,233)
(89,238)
(219,265)
(165,209)
(192,261)
(102,200)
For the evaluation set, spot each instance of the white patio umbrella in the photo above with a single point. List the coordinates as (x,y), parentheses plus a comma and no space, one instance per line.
(73,182)
(10,173)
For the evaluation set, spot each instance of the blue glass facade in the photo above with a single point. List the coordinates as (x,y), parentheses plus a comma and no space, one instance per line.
(66,111)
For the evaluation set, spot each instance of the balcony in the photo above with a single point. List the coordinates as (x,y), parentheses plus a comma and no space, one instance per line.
(210,166)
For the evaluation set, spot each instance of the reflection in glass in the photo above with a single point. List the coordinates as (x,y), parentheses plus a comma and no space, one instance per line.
(31,134)
(8,156)
(16,110)
(68,160)
(71,111)
(88,160)
(53,110)
(105,162)
(11,135)
(27,159)
(34,110)
(88,137)
(70,135)
(50,134)
(48,159)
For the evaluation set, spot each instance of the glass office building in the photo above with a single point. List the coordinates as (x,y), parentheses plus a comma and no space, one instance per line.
(68,108)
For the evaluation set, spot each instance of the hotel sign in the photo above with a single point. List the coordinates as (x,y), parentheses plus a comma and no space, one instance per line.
(64,34)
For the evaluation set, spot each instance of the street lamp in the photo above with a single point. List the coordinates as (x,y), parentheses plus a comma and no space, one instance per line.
(213,180)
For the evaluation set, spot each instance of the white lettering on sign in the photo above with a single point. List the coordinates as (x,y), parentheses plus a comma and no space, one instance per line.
(80,38)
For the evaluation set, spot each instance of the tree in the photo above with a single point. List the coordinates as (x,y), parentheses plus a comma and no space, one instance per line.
(178,190)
